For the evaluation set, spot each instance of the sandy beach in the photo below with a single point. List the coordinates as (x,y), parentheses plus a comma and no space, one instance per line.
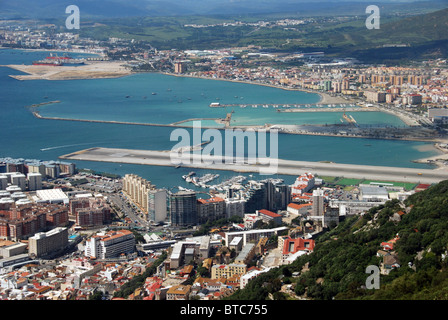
(439,160)
(90,70)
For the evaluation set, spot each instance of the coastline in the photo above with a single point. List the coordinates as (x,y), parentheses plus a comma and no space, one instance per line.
(324,98)
(440,160)
(51,50)
(115,69)
(243,127)
(90,70)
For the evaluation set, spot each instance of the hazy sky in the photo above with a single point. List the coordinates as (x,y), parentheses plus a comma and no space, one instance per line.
(120,8)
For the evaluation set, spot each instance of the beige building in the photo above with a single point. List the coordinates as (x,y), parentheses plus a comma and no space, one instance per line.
(375,96)
(228,270)
(179,67)
(180,292)
(146,196)
(44,243)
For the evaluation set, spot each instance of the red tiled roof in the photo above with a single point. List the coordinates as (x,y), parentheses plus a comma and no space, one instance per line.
(423,186)
(211,200)
(269,213)
(299,206)
(299,244)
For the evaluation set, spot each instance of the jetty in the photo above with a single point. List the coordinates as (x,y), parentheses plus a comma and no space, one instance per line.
(299,107)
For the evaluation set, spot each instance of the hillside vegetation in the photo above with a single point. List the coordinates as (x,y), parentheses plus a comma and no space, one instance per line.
(399,39)
(337,267)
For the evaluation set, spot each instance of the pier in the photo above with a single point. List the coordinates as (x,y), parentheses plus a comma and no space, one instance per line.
(332,131)
(298,107)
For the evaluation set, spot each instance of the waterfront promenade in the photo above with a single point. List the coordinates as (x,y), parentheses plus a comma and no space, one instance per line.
(287,167)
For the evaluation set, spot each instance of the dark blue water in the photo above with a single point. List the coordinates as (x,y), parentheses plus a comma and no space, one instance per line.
(24,136)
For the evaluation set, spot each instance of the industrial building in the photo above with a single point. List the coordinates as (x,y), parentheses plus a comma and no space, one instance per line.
(373,193)
(187,250)
(52,196)
(13,249)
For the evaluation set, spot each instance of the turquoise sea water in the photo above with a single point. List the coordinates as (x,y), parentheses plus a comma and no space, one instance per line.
(131,99)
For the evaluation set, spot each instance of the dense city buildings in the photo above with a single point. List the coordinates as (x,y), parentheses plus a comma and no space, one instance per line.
(90,211)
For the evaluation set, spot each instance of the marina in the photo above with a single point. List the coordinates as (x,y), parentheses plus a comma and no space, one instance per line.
(200,181)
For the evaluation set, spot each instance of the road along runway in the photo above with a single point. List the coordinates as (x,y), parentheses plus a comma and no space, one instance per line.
(260,165)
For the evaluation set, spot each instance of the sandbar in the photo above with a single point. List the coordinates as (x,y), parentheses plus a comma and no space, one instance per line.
(90,70)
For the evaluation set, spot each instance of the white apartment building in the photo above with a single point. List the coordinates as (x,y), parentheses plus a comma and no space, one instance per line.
(111,244)
(157,205)
(34,181)
(19,180)
(235,207)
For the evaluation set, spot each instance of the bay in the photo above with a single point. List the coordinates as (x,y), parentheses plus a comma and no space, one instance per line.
(158,98)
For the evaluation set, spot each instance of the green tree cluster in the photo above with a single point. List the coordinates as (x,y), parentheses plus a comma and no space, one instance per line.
(137,281)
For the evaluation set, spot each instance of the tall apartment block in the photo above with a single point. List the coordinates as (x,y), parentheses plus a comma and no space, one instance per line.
(157,205)
(44,243)
(19,180)
(183,208)
(34,181)
(146,196)
(211,209)
(318,202)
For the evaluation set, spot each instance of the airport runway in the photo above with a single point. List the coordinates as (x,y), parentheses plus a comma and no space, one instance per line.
(260,165)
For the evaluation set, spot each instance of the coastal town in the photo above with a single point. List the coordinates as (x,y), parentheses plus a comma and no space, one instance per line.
(416,94)
(72,234)
(68,233)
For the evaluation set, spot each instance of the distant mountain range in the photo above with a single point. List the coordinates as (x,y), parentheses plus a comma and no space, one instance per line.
(125,8)
(419,36)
